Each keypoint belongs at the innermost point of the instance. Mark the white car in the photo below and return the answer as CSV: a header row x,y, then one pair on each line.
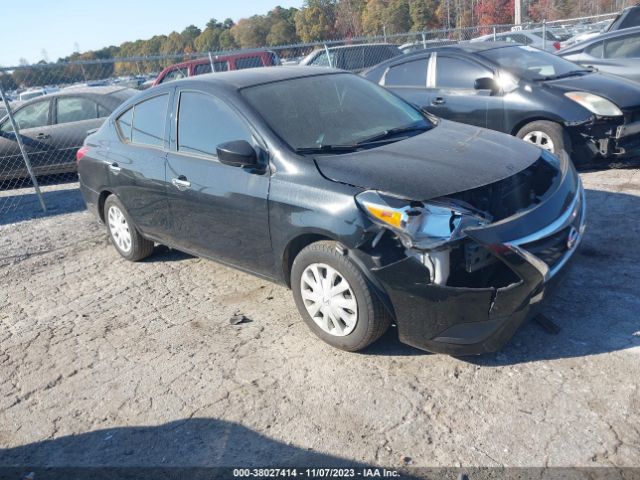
x,y
532,38
36,92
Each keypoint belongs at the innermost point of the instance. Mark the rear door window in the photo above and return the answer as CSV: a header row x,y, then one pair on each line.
x,y
457,73
149,119
623,47
204,122
75,109
248,62
408,74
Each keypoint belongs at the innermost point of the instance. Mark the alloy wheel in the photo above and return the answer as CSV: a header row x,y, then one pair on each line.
x,y
329,299
541,140
119,228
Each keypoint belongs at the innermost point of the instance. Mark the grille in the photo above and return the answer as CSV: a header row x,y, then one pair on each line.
x,y
550,249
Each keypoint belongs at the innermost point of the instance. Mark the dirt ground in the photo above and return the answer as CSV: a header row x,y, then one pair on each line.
x,y
105,362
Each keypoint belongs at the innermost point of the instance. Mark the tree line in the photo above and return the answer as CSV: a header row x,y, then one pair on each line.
x,y
316,20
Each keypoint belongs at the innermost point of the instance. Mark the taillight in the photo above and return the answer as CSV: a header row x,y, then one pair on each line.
x,y
81,152
556,45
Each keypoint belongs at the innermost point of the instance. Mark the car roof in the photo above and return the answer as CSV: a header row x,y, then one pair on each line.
x,y
471,47
218,58
602,36
356,45
103,90
249,77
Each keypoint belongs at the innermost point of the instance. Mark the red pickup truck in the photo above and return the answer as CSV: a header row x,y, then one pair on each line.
x,y
220,63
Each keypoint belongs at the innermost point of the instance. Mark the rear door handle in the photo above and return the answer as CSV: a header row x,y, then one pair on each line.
x,y
115,168
43,136
181,183
438,101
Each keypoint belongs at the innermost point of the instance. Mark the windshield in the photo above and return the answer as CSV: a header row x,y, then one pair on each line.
x,y
531,63
327,111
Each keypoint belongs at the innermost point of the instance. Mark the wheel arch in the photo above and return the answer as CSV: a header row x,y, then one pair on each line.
x,y
101,199
537,118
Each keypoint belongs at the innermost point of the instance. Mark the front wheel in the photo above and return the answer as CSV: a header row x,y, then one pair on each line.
x,y
548,136
124,236
335,299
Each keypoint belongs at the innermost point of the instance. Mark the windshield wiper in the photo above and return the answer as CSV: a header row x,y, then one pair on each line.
x,y
392,132
566,74
328,149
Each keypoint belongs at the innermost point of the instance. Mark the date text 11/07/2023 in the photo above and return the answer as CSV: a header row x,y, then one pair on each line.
x,y
315,472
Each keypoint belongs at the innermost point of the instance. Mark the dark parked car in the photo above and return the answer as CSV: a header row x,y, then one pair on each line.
x,y
369,209
523,91
219,63
627,18
354,58
53,127
616,52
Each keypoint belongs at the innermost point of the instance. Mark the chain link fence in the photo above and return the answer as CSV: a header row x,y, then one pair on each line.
x,y
53,106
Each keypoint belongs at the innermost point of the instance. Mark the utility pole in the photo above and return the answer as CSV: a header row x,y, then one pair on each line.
x,y
517,12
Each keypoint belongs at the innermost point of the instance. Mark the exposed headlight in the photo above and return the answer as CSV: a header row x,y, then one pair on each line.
x,y
595,104
421,225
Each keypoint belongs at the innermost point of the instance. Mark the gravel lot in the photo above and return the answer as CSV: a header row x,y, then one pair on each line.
x,y
104,362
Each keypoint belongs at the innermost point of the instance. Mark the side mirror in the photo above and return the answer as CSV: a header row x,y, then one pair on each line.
x,y
486,83
237,153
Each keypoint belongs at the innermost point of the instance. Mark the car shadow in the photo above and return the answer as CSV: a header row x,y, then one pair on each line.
x,y
597,304
21,206
162,253
191,448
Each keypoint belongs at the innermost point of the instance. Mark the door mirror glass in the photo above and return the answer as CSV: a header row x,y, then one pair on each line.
x,y
237,153
486,83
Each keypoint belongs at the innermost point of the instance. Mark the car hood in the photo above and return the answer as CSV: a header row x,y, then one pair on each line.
x,y
624,93
450,158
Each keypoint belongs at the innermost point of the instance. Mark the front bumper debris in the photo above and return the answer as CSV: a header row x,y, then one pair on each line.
x,y
610,136
468,321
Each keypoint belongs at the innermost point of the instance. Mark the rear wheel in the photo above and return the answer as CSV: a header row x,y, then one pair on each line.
x,y
335,299
124,236
548,136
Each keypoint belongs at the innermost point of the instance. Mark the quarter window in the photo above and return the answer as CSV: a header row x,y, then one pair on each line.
x,y
175,74
322,60
457,73
76,109
205,122
595,50
32,116
408,74
123,124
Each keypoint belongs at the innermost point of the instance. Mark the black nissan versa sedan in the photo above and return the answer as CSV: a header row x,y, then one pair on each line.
x,y
557,105
372,211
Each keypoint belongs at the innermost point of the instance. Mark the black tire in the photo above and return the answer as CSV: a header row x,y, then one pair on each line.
x,y
555,131
140,247
372,317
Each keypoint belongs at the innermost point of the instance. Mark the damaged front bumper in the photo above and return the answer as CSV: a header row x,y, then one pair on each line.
x,y
461,320
608,136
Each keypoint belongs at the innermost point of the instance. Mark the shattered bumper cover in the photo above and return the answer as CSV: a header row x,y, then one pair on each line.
x,y
468,321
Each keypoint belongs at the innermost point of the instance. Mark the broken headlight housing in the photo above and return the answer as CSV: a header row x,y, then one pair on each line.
x,y
420,225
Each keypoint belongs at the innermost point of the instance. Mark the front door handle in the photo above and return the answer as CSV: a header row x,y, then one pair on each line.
x,y
181,183
438,101
115,168
43,136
